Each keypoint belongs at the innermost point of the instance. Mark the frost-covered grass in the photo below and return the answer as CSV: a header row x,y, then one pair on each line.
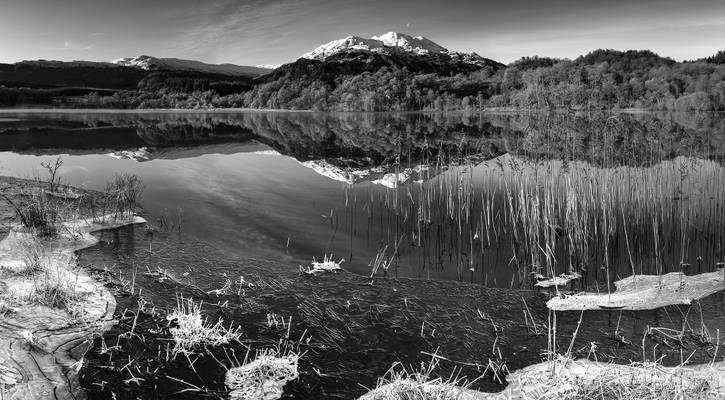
x,y
401,384
57,287
264,377
193,330
567,379
564,378
33,257
42,275
326,265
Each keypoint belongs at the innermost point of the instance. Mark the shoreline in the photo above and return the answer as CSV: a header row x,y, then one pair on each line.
x,y
489,110
42,345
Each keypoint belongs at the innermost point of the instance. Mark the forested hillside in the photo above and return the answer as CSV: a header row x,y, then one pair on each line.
x,y
607,79
369,81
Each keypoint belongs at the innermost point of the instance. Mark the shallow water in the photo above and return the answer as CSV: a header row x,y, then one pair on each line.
x,y
489,200
351,333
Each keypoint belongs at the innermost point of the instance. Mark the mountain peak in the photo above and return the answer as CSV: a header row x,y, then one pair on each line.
x,y
389,43
383,43
142,61
417,44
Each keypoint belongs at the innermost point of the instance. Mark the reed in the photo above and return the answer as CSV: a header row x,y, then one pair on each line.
x,y
548,217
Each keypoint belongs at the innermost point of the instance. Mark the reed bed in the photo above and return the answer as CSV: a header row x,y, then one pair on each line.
x,y
544,218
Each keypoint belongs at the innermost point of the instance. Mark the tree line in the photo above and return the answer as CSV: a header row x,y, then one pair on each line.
x,y
600,80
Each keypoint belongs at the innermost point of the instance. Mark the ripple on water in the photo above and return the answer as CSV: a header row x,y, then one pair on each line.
x,y
352,332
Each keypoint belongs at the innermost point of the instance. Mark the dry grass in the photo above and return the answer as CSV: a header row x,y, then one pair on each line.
x,y
264,377
34,257
39,212
193,330
401,384
564,378
57,287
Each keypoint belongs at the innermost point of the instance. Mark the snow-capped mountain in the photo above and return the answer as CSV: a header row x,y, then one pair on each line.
x,y
175,64
389,43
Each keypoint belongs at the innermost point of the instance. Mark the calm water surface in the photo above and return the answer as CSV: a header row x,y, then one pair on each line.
x,y
487,199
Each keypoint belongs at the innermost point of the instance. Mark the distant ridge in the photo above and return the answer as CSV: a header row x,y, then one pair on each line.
x,y
175,64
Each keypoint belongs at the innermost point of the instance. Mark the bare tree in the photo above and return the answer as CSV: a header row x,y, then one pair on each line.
x,y
52,168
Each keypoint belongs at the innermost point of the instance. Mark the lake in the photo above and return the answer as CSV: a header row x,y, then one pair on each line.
x,y
464,202
438,191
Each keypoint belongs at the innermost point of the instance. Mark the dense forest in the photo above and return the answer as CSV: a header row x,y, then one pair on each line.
x,y
601,80
606,79
359,81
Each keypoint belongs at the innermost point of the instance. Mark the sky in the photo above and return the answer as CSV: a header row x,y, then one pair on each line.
x,y
259,32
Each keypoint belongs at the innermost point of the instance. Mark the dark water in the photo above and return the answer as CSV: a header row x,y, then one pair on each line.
x,y
351,333
487,200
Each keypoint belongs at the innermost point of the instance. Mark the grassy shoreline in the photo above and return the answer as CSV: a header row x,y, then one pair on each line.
x,y
51,304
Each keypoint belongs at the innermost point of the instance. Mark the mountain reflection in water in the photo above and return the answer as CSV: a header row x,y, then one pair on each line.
x,y
494,199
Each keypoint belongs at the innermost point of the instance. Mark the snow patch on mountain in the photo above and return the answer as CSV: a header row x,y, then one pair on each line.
x,y
418,45
176,64
269,66
389,43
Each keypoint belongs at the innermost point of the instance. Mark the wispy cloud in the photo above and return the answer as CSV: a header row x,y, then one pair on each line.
x,y
232,30
72,46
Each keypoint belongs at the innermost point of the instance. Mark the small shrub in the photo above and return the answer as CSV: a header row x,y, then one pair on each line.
x,y
120,197
126,191
52,168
